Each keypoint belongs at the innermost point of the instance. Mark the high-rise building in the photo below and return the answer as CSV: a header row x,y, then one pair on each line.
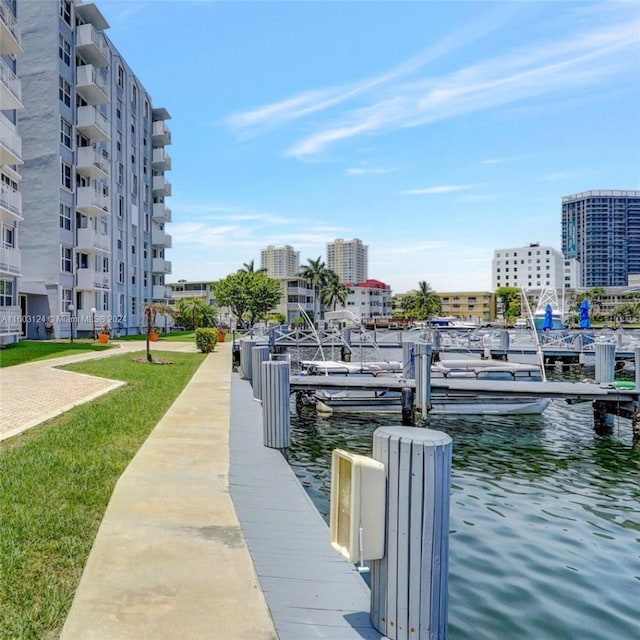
x,y
94,240
280,262
10,160
349,259
601,229
530,267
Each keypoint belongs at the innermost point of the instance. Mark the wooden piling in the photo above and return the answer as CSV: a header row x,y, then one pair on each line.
x,y
409,585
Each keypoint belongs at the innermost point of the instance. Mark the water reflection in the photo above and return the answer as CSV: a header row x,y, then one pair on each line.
x,y
545,519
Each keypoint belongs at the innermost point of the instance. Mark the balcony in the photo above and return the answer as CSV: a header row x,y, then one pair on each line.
x,y
10,261
161,213
161,160
160,265
89,279
91,85
10,35
10,88
91,241
160,238
93,124
93,163
92,202
10,142
160,292
161,186
91,46
160,134
10,204
10,321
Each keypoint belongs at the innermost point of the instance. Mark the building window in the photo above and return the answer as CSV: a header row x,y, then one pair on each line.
x,y
6,293
66,175
134,185
120,77
121,272
120,236
120,173
64,92
64,50
134,273
66,298
120,207
134,95
65,217
66,259
66,133
65,11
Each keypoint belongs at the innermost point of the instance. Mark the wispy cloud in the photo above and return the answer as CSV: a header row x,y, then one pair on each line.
x,y
407,97
363,171
443,188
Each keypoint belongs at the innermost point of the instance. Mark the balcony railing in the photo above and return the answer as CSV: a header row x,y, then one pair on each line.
x,y
161,160
10,204
91,240
91,85
160,265
92,202
91,279
160,292
10,35
10,320
160,134
160,238
161,213
161,186
93,162
10,260
91,46
10,143
93,124
10,88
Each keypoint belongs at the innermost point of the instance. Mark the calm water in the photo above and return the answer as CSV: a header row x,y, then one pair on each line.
x,y
545,519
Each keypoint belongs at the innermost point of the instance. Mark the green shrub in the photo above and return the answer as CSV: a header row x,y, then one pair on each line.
x,y
206,339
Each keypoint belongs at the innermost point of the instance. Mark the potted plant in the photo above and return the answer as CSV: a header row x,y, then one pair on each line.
x,y
221,334
154,334
104,334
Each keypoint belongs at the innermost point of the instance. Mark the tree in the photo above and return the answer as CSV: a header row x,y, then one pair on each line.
x,y
248,294
197,312
427,303
316,274
149,312
249,267
509,299
334,292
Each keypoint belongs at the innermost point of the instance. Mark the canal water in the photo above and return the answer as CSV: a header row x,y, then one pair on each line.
x,y
545,519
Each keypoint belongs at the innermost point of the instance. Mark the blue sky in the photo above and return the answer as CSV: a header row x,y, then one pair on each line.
x,y
436,132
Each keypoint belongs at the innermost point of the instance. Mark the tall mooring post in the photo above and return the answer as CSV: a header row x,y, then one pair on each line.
x,y
246,344
605,362
408,359
276,414
258,356
409,585
423,378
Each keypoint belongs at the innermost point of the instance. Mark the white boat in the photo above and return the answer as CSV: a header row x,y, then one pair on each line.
x,y
460,400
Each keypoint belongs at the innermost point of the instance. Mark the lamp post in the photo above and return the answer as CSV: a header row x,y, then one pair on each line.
x,y
93,321
71,310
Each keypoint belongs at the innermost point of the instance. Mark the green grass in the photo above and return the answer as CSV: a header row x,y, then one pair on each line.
x,y
174,336
29,350
56,481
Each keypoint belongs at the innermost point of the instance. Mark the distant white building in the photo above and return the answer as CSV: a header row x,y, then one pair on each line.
x,y
280,262
349,259
369,299
572,274
530,267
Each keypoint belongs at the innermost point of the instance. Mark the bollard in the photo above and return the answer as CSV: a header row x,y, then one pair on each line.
x,y
245,356
276,415
605,362
504,341
407,396
408,360
409,598
258,356
423,378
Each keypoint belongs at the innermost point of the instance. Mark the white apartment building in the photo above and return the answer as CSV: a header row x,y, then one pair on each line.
x,y
94,240
530,267
369,299
280,262
349,259
11,324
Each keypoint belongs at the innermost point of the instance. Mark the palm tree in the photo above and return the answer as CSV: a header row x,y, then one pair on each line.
x,y
149,312
316,274
334,292
197,312
428,302
249,267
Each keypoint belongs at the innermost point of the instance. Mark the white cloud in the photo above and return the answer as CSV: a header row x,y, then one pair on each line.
x,y
443,188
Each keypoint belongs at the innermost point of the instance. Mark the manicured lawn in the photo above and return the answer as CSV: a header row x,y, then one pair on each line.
x,y
28,350
56,481
174,336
